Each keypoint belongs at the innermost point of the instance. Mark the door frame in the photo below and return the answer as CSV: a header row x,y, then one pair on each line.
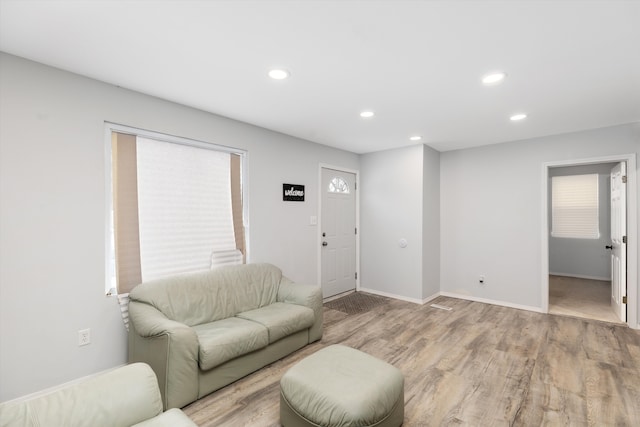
x,y
322,166
632,230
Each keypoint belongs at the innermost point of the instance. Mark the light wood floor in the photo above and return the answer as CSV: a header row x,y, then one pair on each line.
x,y
590,299
477,365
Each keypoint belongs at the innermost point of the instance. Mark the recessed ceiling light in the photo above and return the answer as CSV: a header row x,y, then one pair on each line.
x,y
367,114
517,117
279,74
415,138
493,78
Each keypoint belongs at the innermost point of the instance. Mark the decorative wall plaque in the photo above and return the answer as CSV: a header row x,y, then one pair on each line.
x,y
293,193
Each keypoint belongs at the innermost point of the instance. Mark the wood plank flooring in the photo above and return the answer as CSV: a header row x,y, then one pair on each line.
x,y
476,365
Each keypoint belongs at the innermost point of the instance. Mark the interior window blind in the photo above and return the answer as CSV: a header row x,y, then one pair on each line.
x,y
574,206
184,207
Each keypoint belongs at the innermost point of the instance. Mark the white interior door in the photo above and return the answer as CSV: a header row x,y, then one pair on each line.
x,y
618,241
338,228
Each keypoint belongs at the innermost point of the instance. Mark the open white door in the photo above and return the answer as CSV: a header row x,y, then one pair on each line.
x,y
338,228
619,241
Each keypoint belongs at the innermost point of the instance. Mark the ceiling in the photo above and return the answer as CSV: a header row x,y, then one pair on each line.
x,y
571,65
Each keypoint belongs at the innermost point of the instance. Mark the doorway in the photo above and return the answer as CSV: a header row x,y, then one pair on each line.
x,y
577,273
338,231
579,261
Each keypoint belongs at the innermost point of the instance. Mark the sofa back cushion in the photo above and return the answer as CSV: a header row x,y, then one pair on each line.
x,y
207,296
121,397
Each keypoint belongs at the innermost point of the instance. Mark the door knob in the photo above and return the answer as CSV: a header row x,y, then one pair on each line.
x,y
608,247
324,243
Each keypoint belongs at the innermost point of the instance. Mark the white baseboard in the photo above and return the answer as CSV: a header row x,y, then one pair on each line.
x,y
493,302
453,295
432,297
394,296
580,276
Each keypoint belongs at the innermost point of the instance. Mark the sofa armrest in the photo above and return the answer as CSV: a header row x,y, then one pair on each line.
x,y
120,398
151,322
306,295
170,348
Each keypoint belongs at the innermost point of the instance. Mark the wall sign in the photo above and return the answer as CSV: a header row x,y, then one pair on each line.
x,y
292,193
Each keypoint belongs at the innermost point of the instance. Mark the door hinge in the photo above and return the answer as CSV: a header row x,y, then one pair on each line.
x,y
624,239
624,179
624,299
356,275
355,185
356,230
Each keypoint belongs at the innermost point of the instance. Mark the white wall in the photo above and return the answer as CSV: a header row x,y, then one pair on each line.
x,y
584,257
400,199
491,211
430,223
53,211
390,210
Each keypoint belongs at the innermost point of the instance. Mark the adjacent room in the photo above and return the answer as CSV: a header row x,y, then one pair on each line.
x,y
265,213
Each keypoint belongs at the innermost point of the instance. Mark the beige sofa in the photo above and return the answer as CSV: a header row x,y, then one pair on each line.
x,y
123,397
202,331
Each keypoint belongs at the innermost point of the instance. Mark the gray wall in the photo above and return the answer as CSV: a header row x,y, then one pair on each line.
x,y
390,210
400,199
491,210
53,210
430,223
584,257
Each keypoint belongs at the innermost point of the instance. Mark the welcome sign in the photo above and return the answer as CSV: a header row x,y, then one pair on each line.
x,y
292,193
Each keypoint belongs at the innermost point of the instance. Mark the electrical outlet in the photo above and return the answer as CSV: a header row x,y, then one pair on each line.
x,y
481,279
84,337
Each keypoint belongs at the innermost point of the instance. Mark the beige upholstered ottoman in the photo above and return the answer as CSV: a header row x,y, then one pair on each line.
x,y
341,386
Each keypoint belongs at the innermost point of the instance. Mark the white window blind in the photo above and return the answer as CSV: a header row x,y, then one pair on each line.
x,y
184,207
574,206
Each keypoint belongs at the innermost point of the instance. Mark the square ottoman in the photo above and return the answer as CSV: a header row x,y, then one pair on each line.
x,y
340,386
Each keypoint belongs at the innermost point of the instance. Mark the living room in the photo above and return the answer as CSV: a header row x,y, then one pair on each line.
x,y
463,212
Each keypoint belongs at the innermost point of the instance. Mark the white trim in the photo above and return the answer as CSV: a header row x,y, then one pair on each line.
x,y
544,240
431,298
453,295
581,276
399,297
633,316
58,387
108,191
245,206
166,137
492,302
319,233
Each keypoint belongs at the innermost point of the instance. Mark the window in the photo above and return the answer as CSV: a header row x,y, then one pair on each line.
x,y
574,206
177,205
338,185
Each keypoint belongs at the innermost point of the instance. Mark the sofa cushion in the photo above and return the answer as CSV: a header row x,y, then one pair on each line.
x,y
281,319
203,297
172,418
227,339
